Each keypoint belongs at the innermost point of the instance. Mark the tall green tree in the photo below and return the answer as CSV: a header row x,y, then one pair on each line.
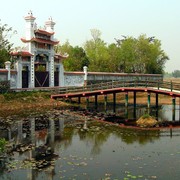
x,y
114,64
97,52
141,55
77,58
5,46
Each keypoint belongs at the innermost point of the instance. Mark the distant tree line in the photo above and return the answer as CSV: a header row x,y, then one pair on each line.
x,y
176,73
128,55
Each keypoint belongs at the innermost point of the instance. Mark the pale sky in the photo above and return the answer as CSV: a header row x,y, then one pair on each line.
x,y
75,18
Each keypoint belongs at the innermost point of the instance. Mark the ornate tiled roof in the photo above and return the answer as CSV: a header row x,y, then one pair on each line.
x,y
40,31
40,41
21,53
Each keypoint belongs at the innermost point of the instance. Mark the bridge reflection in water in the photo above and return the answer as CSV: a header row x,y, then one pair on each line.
x,y
151,88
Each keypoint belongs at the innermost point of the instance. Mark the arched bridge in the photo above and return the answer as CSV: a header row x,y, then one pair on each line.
x,y
164,87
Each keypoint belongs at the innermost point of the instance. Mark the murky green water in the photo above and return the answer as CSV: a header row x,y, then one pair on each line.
x,y
88,150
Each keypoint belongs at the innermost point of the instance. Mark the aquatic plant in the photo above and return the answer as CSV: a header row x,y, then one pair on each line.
x,y
3,143
144,116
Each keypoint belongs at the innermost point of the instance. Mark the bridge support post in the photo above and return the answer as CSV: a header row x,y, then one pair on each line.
x,y
96,101
87,102
134,112
157,102
126,99
105,103
149,100
114,102
126,113
134,99
70,99
173,108
79,100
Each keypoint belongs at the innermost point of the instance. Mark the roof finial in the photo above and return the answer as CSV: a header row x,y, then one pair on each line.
x,y
50,18
30,13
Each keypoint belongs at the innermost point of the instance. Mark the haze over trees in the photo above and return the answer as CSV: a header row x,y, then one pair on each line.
x,y
176,73
128,54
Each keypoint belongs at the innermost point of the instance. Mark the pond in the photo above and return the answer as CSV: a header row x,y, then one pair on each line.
x,y
68,145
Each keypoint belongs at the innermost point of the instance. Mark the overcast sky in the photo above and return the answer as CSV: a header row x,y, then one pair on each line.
x,y
75,18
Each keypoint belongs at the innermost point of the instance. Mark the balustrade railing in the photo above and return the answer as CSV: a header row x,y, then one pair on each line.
x,y
169,86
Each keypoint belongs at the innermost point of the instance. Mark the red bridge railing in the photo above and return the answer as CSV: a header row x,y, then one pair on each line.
x,y
169,86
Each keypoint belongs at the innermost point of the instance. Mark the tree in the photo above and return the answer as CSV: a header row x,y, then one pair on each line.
x,y
77,57
176,73
141,55
97,52
5,45
114,58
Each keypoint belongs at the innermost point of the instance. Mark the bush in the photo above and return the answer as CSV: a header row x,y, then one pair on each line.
x,y
146,116
4,86
3,142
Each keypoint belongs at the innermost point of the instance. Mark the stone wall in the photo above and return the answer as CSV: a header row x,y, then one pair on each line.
x,y
73,79
3,75
77,78
95,77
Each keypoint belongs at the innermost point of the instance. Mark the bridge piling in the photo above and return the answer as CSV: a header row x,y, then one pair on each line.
x,y
87,102
149,100
173,108
157,100
79,100
134,99
96,101
105,103
114,102
126,99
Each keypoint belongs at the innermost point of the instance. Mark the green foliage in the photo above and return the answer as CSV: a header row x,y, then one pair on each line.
x,y
141,55
77,57
41,68
26,95
128,55
4,86
176,73
144,116
97,52
3,142
5,45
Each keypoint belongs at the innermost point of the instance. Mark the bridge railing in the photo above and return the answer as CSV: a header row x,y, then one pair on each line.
x,y
169,86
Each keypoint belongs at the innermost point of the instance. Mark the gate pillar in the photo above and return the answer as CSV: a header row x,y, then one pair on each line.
x,y
61,75
51,71
32,76
19,73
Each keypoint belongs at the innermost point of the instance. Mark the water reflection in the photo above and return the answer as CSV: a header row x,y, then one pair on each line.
x,y
47,147
163,112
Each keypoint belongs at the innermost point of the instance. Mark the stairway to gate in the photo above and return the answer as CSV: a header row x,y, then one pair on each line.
x,y
160,87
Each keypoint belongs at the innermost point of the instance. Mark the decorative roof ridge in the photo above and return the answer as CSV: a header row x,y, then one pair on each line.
x,y
43,31
65,55
20,53
39,40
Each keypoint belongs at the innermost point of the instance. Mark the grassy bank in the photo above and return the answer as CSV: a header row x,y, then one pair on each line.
x,y
23,102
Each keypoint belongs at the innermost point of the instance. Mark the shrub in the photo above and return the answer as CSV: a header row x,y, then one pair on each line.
x,y
3,142
146,116
4,86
